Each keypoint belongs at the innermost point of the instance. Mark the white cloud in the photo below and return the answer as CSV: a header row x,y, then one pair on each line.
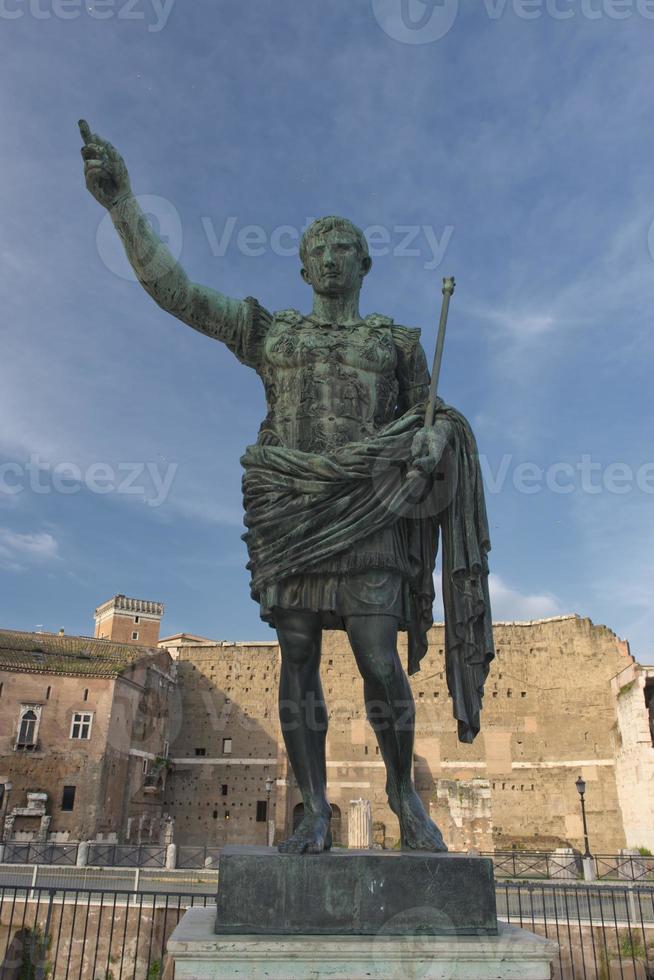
x,y
16,548
508,603
521,325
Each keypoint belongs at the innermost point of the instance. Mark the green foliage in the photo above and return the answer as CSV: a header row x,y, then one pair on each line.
x,y
644,852
36,945
631,946
154,971
625,688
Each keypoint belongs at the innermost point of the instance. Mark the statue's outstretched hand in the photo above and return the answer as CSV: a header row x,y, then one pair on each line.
x,y
429,445
104,169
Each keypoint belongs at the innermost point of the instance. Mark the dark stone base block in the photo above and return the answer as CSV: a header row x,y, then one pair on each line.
x,y
359,893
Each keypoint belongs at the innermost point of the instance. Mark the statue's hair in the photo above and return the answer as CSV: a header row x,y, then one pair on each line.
x,y
332,223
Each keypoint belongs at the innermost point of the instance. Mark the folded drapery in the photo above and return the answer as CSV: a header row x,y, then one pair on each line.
x,y
303,509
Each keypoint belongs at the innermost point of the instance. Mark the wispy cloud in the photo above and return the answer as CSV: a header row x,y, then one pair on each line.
x,y
19,550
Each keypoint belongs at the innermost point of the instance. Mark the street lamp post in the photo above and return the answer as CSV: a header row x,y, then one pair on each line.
x,y
271,823
581,789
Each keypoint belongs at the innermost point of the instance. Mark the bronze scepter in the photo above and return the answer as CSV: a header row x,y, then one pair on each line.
x,y
448,289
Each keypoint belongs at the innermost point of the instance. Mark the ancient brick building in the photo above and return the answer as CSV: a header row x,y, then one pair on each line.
x,y
551,713
84,729
100,738
128,620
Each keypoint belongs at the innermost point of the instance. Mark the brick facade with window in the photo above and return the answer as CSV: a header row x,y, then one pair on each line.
x,y
86,722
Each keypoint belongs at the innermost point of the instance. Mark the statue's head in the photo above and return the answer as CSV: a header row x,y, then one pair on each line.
x,y
334,255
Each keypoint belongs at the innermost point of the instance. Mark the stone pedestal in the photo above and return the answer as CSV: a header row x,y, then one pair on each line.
x,y
199,954
345,892
359,825
354,915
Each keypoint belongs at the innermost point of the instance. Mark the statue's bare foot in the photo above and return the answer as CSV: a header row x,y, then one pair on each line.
x,y
417,831
312,837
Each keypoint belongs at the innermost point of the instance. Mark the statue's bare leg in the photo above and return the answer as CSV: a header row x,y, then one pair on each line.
x,y
391,712
303,718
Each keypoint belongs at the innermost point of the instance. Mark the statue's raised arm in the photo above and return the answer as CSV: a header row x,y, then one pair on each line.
x,y
239,324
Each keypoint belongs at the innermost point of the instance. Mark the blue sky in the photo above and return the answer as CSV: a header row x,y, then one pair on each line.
x,y
514,151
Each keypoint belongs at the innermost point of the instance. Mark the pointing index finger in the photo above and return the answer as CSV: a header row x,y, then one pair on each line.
x,y
85,131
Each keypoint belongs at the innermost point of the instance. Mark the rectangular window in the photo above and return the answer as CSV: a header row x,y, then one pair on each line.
x,y
68,798
200,751
227,746
135,636
145,767
262,811
166,749
136,619
81,725
223,789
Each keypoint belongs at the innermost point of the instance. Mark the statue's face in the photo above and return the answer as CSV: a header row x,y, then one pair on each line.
x,y
334,264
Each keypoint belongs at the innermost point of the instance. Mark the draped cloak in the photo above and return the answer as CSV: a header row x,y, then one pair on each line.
x,y
304,508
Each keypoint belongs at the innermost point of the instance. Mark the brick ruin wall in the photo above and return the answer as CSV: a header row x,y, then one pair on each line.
x,y
549,716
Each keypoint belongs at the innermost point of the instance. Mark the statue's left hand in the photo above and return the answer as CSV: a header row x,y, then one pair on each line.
x,y
429,445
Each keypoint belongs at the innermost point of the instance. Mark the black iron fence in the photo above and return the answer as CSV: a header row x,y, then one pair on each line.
x,y
604,932
126,856
534,864
508,864
628,867
59,854
197,857
99,855
88,934
553,864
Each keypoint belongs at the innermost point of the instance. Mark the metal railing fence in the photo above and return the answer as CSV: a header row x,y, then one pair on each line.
x,y
17,852
88,934
507,864
555,865
189,856
604,932
63,932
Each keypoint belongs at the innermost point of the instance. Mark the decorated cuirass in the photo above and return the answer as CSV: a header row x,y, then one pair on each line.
x,y
327,385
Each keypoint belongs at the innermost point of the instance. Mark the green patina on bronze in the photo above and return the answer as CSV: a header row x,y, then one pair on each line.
x,y
346,491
